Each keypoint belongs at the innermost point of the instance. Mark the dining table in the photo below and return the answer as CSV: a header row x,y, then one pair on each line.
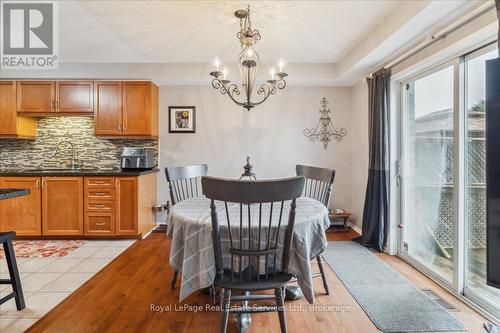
x,y
192,253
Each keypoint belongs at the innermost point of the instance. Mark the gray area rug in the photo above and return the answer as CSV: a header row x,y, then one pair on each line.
x,y
392,302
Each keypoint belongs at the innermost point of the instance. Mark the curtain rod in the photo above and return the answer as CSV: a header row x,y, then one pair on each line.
x,y
435,39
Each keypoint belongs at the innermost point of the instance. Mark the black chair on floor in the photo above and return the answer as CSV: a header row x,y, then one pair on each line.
x,y
184,182
275,249
318,186
15,280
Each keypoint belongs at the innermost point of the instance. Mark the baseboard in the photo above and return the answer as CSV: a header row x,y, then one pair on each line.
x,y
354,227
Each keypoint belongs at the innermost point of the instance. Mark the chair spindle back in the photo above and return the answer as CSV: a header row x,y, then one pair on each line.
x,y
318,184
263,234
185,182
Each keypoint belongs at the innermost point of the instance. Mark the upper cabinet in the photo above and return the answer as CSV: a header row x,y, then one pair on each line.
x,y
12,126
121,109
68,97
126,109
74,97
108,108
36,96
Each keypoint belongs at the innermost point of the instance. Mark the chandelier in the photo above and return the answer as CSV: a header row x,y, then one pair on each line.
x,y
248,63
324,131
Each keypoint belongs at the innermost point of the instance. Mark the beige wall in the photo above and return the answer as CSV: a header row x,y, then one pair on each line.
x,y
271,134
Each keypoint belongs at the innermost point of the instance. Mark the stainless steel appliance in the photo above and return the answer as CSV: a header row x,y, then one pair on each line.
x,y
137,158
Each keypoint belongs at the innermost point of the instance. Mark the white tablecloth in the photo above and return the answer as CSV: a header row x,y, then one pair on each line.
x,y
192,254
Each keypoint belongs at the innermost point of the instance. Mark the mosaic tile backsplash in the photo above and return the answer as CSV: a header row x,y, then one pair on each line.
x,y
90,151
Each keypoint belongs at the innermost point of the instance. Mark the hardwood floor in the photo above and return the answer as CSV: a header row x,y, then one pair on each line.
x,y
119,299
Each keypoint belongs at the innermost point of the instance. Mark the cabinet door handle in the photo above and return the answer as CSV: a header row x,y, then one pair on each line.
x,y
52,104
100,223
117,184
43,183
38,184
57,104
99,193
99,206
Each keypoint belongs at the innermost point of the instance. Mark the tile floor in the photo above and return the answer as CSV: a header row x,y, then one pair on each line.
x,y
47,281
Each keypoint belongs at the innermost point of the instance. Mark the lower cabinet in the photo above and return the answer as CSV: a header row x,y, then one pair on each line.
x,y
99,224
100,206
111,206
127,201
62,206
22,214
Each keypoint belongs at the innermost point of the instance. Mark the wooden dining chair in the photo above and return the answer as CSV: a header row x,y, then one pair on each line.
x,y
261,243
318,186
184,182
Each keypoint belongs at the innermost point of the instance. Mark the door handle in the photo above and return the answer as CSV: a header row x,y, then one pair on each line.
x,y
38,184
117,183
100,223
43,183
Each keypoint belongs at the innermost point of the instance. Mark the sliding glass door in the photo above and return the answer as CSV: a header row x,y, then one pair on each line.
x,y
475,281
427,196
442,189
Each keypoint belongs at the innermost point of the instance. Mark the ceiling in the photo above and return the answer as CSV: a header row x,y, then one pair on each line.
x,y
197,31
332,43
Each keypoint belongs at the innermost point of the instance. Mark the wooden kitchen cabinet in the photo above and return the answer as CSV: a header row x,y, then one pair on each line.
x,y
22,214
120,206
126,109
62,206
100,206
76,207
127,204
100,224
74,97
140,108
11,125
36,96
108,108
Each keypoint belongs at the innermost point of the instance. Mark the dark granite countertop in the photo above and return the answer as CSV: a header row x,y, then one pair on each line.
x,y
7,193
76,173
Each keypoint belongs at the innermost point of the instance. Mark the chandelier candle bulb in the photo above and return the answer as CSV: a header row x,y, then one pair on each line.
x,y
225,71
281,64
217,64
272,73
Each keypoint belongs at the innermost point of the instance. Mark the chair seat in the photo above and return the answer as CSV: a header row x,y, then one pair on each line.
x,y
272,282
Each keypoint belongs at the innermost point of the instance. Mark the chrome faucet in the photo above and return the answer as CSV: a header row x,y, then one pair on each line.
x,y
56,150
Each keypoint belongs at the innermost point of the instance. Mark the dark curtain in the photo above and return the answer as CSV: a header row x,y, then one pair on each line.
x,y
376,210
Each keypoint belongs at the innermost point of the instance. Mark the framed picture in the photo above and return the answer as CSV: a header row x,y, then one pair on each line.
x,y
182,119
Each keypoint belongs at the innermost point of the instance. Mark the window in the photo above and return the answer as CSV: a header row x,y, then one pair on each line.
x,y
476,177
443,175
428,175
